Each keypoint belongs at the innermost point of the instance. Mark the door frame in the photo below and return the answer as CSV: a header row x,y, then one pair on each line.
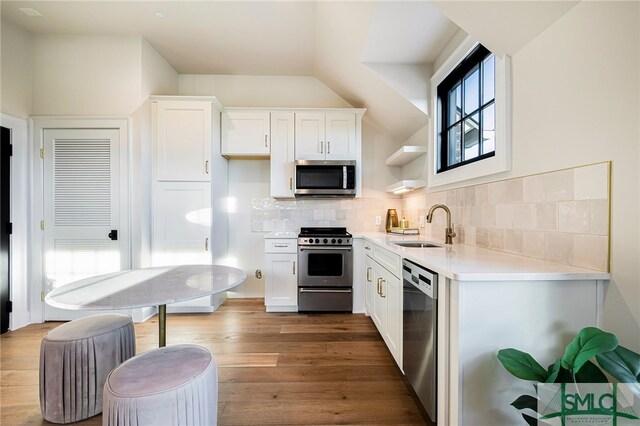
x,y
19,213
37,126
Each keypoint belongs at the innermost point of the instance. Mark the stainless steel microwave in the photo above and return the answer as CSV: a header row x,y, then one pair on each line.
x,y
325,179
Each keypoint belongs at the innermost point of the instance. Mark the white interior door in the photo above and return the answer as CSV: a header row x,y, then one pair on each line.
x,y
81,208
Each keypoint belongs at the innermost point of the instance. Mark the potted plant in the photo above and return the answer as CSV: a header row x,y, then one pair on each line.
x,y
576,366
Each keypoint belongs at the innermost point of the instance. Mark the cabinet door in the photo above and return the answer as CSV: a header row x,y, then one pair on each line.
x,y
282,155
341,136
245,133
380,300
310,136
281,283
182,223
392,289
183,140
370,285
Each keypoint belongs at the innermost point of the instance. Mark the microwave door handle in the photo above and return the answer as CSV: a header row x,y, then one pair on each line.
x,y
344,177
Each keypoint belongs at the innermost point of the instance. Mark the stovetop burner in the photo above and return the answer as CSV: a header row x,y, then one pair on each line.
x,y
324,236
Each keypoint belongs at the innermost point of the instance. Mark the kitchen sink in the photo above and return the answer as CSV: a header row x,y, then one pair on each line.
x,y
415,244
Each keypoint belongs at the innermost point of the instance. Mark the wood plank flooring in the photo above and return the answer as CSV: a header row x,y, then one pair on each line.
x,y
273,368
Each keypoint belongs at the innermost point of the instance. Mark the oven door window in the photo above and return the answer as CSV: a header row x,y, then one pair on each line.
x,y
325,265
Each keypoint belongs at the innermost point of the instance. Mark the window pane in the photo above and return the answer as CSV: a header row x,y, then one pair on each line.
x,y
471,133
455,105
472,90
454,149
488,79
489,129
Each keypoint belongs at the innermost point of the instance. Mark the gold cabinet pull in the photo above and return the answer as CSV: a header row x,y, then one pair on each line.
x,y
382,289
368,276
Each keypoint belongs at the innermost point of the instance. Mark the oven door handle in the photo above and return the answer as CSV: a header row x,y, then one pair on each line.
x,y
318,248
320,290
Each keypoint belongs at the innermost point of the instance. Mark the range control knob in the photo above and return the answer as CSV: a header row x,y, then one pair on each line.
x,y
317,241
333,241
325,241
340,241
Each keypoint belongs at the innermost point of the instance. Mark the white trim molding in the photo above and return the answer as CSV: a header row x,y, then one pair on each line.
x,y
501,161
19,216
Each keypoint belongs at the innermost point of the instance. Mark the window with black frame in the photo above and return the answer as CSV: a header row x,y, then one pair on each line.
x,y
466,111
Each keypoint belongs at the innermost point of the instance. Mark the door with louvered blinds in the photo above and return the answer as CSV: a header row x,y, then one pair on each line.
x,y
82,208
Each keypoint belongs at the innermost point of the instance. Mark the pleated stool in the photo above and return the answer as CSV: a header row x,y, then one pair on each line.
x,y
173,385
75,360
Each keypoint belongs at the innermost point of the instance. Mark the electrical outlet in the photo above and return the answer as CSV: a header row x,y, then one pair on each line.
x,y
378,220
421,221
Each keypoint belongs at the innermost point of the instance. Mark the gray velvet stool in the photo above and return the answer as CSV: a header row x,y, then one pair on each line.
x,y
174,385
75,359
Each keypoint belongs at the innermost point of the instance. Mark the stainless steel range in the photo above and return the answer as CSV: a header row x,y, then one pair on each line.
x,y
325,277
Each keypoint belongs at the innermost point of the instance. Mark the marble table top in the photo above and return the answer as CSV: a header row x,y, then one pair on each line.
x,y
139,288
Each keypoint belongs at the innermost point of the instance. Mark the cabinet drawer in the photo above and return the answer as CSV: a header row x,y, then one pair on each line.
x,y
389,260
281,246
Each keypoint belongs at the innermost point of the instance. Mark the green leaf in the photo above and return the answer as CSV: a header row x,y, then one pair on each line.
x,y
621,363
553,371
531,421
590,341
590,373
526,401
522,365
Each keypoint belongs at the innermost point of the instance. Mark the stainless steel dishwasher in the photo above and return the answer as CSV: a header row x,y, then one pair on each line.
x,y
419,332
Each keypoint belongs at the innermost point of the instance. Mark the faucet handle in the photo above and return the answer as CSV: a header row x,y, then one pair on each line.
x,y
453,230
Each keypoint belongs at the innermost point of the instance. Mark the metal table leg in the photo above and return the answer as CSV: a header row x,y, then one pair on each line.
x,y
162,325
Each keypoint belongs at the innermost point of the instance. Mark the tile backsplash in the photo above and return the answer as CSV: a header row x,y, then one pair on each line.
x,y
561,216
357,215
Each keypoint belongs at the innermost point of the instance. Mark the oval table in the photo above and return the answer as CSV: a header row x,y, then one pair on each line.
x,y
139,288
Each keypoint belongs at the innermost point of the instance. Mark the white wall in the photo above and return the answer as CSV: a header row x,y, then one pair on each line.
x,y
16,57
576,101
262,91
157,76
96,75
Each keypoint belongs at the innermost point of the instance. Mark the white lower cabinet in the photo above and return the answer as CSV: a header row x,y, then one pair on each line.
x,y
281,275
383,296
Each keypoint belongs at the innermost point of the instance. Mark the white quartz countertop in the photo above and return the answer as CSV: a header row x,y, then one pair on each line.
x,y
468,263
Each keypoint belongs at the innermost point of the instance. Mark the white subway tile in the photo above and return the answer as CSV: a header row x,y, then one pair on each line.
x,y
573,217
558,186
545,216
591,182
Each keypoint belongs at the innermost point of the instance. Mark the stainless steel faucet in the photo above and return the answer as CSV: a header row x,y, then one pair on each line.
x,y
448,234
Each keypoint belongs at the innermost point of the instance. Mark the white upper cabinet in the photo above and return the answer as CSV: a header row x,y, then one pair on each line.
x,y
341,136
182,140
246,134
282,154
325,136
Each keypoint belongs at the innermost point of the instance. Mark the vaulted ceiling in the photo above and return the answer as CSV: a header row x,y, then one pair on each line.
x,y
377,54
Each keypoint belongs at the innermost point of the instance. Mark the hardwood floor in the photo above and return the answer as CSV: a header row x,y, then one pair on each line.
x,y
273,368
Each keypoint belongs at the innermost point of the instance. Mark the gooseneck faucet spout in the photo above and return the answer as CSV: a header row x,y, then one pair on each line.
x,y
449,234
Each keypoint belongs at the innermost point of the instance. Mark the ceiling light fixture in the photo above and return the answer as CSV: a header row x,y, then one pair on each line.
x,y
29,11
158,14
